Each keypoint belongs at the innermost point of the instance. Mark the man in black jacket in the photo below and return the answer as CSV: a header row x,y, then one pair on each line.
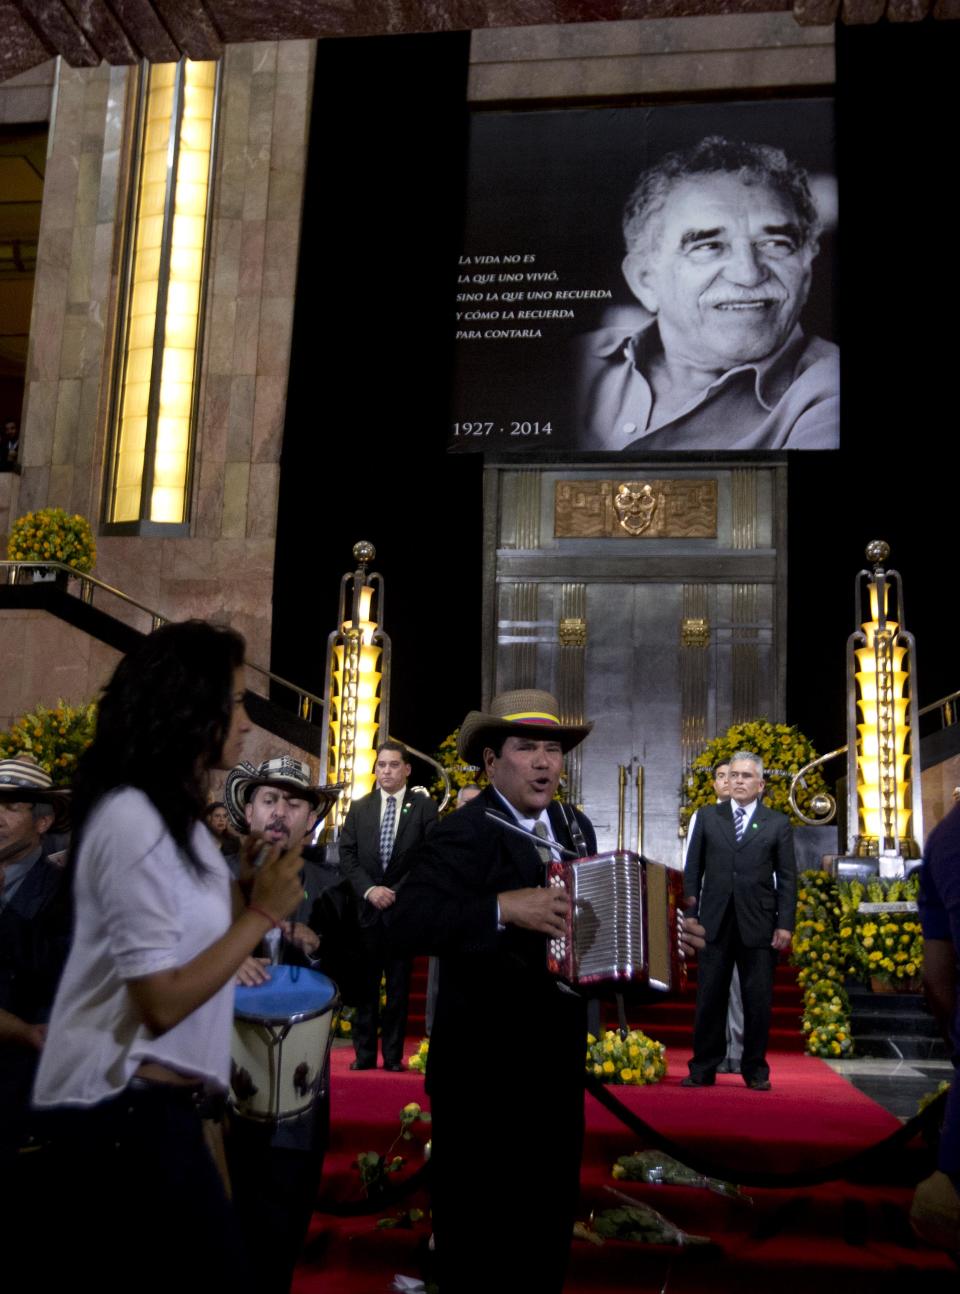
x,y
379,831
34,934
507,1049
740,869
275,1168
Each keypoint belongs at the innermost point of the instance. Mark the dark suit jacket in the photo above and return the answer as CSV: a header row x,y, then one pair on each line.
x,y
360,843
718,869
490,980
34,941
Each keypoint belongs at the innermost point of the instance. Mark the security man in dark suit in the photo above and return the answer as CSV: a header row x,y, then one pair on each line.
x,y
379,831
740,869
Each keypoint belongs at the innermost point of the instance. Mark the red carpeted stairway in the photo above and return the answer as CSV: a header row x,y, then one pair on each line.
x,y
842,1236
668,1019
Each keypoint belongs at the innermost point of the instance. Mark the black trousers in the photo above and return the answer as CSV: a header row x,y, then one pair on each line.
x,y
715,965
507,1145
136,1200
392,1018
274,1191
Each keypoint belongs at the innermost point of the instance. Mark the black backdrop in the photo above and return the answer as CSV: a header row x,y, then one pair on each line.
x,y
367,413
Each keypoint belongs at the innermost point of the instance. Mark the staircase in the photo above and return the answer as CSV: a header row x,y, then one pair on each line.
x,y
894,1026
666,1018
279,717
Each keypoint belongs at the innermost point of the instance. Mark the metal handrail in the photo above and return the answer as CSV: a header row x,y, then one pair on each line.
x,y
90,582
829,804
305,700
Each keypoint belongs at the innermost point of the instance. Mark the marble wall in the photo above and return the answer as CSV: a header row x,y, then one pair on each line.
x,y
650,56
224,569
43,660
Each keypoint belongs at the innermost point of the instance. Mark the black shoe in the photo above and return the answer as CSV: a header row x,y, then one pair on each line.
x,y
691,1081
758,1084
362,1064
393,1067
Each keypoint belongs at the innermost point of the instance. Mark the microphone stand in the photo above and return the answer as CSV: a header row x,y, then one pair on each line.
x,y
543,841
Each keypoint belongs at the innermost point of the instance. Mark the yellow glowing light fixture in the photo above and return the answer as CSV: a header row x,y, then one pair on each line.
x,y
356,699
883,776
156,399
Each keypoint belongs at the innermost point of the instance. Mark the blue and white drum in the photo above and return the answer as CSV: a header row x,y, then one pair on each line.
x,y
282,1033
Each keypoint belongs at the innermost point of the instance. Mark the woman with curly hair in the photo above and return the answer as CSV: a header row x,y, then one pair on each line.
x,y
139,1037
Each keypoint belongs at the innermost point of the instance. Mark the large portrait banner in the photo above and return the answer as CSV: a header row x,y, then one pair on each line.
x,y
648,281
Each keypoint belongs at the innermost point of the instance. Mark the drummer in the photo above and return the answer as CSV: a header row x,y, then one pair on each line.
x,y
278,800
275,1171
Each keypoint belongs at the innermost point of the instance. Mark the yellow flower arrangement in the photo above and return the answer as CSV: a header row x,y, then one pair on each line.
x,y
55,738
823,955
784,751
53,535
888,945
460,774
418,1061
632,1061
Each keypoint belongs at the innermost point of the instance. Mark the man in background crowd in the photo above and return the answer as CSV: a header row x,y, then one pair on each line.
x,y
34,935
378,833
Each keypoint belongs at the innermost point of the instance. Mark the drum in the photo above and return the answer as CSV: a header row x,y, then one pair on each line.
x,y
282,1033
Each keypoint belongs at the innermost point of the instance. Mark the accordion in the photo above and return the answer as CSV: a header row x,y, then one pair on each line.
x,y
624,922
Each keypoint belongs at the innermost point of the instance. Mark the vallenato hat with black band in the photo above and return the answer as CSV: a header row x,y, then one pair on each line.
x,y
23,779
526,712
283,772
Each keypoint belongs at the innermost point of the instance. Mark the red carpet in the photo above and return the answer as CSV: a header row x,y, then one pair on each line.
x,y
838,1237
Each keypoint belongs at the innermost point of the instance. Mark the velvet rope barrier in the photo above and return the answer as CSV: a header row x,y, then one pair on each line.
x,y
871,1157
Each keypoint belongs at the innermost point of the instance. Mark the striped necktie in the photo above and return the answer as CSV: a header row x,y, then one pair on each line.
x,y
738,821
386,831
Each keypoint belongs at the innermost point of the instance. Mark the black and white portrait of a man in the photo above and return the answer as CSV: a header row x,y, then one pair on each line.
x,y
655,280
720,242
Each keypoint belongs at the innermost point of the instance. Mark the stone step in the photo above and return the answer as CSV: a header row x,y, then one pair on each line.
x,y
896,1046
906,1022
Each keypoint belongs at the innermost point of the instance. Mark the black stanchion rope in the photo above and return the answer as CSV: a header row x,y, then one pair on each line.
x,y
858,1162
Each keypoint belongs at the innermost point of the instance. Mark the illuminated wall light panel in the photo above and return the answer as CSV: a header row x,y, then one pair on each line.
x,y
156,399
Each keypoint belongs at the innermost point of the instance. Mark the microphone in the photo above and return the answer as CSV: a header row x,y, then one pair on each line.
x,y
542,841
